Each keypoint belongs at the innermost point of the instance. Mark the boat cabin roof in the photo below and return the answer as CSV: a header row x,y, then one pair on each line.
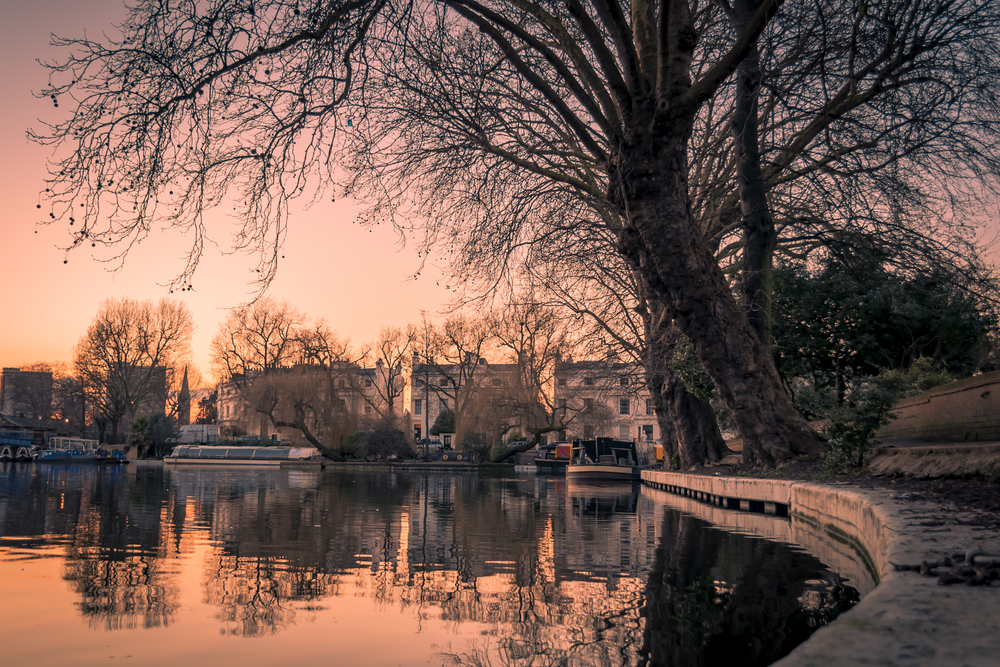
x,y
242,453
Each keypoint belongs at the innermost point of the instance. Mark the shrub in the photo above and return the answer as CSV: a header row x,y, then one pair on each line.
x,y
852,425
381,441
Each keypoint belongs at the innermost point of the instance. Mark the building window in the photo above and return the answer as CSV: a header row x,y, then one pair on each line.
x,y
647,432
561,382
368,409
623,406
588,381
341,383
368,382
588,404
418,407
623,380
497,382
562,403
649,407
623,433
443,382
588,432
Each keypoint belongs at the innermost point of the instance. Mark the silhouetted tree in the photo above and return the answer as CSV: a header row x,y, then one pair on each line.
x,y
128,355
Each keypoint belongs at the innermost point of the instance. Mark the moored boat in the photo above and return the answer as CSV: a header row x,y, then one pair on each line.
x,y
605,459
240,455
77,450
553,458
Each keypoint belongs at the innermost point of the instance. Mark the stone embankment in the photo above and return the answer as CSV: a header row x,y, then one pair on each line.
x,y
930,460
878,537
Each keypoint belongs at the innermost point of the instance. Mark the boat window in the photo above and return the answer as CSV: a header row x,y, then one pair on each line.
x,y
267,453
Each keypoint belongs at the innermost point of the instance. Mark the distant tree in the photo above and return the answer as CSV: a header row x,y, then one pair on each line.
x,y
454,358
391,354
129,354
296,374
163,432
69,403
533,338
254,341
208,409
381,441
139,434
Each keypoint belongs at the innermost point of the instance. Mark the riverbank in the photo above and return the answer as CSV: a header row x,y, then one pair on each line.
x,y
908,619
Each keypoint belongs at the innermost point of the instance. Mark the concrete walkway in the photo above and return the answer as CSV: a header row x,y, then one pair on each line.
x,y
908,619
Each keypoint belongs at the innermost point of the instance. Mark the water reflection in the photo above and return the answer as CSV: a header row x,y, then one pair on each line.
x,y
511,572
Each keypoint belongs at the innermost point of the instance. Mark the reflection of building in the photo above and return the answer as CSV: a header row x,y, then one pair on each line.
x,y
26,393
604,399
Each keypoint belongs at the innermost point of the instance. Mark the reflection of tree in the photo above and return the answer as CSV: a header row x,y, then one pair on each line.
x,y
550,573
122,594
255,595
717,598
114,558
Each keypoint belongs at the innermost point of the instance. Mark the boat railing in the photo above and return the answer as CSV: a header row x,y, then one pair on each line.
x,y
73,444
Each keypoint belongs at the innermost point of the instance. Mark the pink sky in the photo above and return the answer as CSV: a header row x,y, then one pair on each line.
x,y
354,277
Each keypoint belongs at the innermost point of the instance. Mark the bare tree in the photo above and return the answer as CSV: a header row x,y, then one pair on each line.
x,y
454,366
864,121
294,373
128,355
532,338
391,354
484,122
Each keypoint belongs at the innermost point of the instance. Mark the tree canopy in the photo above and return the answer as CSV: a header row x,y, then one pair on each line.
x,y
509,132
840,321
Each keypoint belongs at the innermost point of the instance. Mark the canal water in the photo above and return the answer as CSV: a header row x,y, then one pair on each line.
x,y
183,566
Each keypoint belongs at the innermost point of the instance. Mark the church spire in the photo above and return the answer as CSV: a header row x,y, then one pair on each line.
x,y
184,402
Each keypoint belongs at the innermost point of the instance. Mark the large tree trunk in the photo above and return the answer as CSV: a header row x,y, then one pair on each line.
x,y
698,437
759,235
511,450
682,273
688,427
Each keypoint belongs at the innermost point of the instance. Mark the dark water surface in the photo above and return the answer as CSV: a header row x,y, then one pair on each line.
x,y
182,567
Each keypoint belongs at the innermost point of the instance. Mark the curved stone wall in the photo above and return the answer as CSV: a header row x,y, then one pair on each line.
x,y
906,619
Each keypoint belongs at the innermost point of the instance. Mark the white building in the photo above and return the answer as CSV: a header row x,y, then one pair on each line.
x,y
604,399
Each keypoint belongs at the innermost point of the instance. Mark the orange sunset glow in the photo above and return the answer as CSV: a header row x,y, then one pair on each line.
x,y
358,279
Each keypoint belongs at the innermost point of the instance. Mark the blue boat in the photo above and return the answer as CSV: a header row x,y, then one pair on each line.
x,y
77,450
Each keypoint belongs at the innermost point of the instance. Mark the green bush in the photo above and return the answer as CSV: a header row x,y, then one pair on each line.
x,y
853,424
381,441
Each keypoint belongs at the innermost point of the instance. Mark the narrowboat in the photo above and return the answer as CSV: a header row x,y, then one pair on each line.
x,y
240,455
605,459
553,458
77,450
